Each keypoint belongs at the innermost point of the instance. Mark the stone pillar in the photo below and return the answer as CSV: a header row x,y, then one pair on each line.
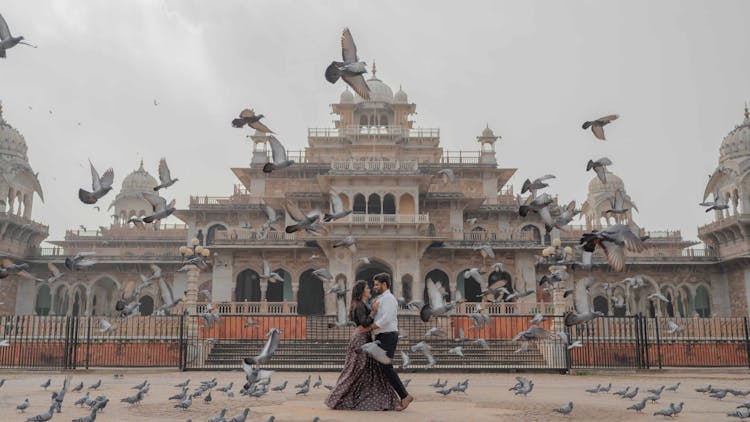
x,y
559,305
222,280
191,288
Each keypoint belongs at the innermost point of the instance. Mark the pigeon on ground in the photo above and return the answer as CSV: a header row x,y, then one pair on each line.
x,y
676,408
597,126
134,399
181,395
673,387
7,40
594,389
742,413
44,417
621,392
665,412
220,417
304,390
638,406
46,383
23,405
351,69
525,389
656,391
95,385
185,404
565,410
248,117
280,387
78,387
81,401
318,383
99,185
278,156
241,417
631,394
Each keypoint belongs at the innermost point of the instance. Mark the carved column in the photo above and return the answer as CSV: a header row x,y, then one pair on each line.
x,y
191,288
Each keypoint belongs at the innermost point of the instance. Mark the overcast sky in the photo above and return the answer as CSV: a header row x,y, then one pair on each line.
x,y
676,72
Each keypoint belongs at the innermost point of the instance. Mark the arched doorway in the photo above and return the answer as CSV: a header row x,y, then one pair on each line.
x,y
247,288
367,271
406,204
500,279
211,234
389,204
276,290
61,301
468,287
535,234
441,279
147,305
103,296
360,204
43,300
79,301
373,204
702,302
310,296
601,305
407,284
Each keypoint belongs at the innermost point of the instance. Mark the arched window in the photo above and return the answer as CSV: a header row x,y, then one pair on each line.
x,y
441,280
601,304
211,234
61,301
43,300
248,286
702,302
406,205
389,204
103,294
407,284
373,204
360,205
363,120
277,290
310,296
684,302
431,231
79,301
367,271
147,305
344,200
535,232
500,279
383,121
470,288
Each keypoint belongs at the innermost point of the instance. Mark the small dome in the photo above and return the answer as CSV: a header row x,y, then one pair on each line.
x,y
401,96
139,181
488,133
613,183
737,143
378,91
12,144
346,97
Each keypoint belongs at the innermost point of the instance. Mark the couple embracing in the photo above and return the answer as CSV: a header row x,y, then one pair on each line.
x,y
366,384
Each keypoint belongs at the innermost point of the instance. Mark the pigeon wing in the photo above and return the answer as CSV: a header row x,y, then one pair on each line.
x,y
580,299
433,292
96,183
166,292
270,212
247,113
615,255
108,178
604,161
53,269
598,131
157,202
717,180
348,48
600,172
608,118
4,30
164,175
266,268
545,177
341,316
619,202
358,84
336,203
277,150
294,211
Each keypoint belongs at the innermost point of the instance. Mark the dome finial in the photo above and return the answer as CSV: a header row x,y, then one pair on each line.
x,y
747,114
141,167
374,69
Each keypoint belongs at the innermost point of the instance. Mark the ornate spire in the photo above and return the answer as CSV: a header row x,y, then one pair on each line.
x,y
374,70
747,114
141,167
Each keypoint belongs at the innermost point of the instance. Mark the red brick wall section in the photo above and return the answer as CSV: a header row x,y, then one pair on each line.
x,y
115,354
499,328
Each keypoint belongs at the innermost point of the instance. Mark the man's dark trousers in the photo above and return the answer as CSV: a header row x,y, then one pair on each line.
x,y
388,342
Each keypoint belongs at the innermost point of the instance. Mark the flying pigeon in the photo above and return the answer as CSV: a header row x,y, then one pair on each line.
x,y
600,168
437,305
597,126
617,204
165,177
350,69
248,117
7,40
347,242
338,209
278,155
614,240
274,338
159,206
529,186
99,185
447,176
376,352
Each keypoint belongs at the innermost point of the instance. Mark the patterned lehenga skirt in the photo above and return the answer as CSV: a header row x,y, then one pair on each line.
x,y
361,385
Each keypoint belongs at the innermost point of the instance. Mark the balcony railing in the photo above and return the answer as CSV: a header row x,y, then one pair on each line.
x,y
23,222
247,236
378,167
384,219
460,157
483,235
276,308
357,131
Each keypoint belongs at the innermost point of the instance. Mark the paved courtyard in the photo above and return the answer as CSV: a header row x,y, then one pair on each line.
x,y
487,398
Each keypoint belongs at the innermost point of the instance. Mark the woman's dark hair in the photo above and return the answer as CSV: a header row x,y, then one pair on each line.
x,y
357,291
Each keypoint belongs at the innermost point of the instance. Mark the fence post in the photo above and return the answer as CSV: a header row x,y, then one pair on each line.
x,y
658,341
638,345
644,331
747,341
88,342
180,358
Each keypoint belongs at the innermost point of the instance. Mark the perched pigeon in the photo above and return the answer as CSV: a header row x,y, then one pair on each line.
x,y
351,68
638,406
23,405
565,410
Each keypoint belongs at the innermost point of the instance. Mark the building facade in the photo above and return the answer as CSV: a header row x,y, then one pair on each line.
x,y
407,219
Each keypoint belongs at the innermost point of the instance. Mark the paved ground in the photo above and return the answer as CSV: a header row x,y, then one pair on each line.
x,y
487,398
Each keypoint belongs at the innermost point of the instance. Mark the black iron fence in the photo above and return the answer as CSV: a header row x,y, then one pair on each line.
x,y
316,343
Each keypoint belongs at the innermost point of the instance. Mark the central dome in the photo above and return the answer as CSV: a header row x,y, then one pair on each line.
x,y
378,91
139,181
737,143
614,183
11,141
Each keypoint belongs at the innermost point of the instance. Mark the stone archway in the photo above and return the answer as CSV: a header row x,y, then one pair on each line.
x,y
441,279
43,300
367,271
277,290
79,301
311,295
247,288
211,233
103,296
468,287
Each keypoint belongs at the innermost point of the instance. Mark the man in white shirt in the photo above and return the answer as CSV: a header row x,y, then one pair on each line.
x,y
385,328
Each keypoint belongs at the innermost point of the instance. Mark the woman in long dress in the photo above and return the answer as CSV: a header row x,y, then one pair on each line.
x,y
361,385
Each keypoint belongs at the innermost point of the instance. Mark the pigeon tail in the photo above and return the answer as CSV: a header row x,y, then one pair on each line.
x,y
570,319
148,219
293,228
327,217
425,313
333,73
525,186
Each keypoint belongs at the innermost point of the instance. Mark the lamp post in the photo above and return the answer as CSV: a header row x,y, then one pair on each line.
x,y
195,256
